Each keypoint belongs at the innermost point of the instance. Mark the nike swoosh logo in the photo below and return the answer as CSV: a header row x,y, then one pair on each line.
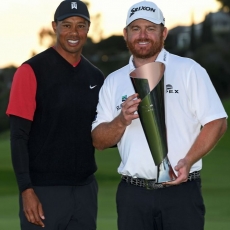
x,y
91,87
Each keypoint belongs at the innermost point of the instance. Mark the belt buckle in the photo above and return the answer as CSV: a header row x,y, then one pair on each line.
x,y
149,184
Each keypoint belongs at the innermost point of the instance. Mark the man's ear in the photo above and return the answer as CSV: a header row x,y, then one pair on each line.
x,y
125,33
165,33
54,26
89,23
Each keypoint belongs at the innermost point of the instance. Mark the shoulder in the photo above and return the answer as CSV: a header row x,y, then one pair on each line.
x,y
117,79
120,73
91,67
175,59
43,57
186,71
186,63
24,72
24,68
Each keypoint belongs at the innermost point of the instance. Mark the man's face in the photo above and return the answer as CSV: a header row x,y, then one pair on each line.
x,y
144,38
71,34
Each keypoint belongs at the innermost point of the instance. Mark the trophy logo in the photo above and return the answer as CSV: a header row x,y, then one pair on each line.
x,y
148,82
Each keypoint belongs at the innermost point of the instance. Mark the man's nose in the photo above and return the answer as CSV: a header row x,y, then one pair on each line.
x,y
143,33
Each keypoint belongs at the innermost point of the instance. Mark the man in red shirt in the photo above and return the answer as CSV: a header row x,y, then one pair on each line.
x,y
51,108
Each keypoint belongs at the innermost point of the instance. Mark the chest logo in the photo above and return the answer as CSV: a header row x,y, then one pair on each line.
x,y
123,98
91,87
169,89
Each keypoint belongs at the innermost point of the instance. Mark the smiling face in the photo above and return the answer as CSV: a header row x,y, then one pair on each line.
x,y
144,38
71,36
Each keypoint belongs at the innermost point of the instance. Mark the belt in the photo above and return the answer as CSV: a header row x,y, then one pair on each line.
x,y
151,184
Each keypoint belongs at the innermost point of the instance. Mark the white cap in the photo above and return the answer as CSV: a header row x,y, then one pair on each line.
x,y
145,10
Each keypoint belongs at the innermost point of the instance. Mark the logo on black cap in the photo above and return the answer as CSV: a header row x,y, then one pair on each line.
x,y
73,5
69,8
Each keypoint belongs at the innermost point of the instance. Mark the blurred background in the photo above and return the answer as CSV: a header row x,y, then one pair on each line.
x,y
197,29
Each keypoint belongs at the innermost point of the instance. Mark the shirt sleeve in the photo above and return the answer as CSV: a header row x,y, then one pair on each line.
x,y
205,102
22,102
104,107
19,136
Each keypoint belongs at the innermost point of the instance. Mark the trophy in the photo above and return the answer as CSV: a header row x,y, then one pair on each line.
x,y
148,82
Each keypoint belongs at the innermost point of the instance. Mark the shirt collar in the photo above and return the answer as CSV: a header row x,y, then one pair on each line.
x,y
163,57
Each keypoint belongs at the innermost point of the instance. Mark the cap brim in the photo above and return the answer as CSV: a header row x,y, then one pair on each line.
x,y
71,15
145,18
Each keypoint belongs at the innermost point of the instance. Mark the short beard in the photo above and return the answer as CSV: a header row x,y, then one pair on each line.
x,y
155,48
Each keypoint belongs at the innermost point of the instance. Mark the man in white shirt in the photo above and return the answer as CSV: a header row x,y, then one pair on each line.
x,y
191,103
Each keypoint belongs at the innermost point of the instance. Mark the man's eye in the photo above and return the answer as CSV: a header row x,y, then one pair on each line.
x,y
151,29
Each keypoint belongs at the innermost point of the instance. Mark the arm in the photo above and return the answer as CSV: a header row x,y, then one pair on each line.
x,y
108,134
19,135
205,142
20,129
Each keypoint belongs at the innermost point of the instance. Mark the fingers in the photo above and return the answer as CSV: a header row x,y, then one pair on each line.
x,y
180,179
40,211
131,103
131,98
182,169
179,165
32,207
129,109
34,217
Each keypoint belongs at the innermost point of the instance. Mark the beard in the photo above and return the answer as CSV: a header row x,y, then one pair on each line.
x,y
144,53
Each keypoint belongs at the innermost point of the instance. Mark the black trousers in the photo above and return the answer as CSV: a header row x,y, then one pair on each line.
x,y
65,207
178,207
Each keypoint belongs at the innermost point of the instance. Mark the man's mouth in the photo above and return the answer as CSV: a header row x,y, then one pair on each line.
x,y
73,41
143,43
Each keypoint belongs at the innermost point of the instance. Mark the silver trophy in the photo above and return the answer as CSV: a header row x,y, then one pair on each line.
x,y
148,82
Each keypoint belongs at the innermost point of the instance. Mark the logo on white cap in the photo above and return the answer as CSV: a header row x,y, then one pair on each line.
x,y
134,10
147,10
73,5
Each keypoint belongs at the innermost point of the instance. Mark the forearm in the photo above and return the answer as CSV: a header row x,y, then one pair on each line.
x,y
108,134
206,140
19,129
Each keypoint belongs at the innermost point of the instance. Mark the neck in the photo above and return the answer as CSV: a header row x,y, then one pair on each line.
x,y
72,58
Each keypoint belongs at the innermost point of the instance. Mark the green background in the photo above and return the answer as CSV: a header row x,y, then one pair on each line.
x,y
215,186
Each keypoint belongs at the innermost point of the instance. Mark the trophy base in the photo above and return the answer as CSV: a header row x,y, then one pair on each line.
x,y
165,172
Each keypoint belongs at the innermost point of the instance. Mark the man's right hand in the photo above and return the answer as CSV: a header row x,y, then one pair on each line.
x,y
108,134
32,207
129,109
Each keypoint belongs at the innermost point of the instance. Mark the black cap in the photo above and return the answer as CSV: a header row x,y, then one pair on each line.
x,y
70,8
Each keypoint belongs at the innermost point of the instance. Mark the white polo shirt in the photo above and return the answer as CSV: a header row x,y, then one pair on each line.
x,y
190,102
